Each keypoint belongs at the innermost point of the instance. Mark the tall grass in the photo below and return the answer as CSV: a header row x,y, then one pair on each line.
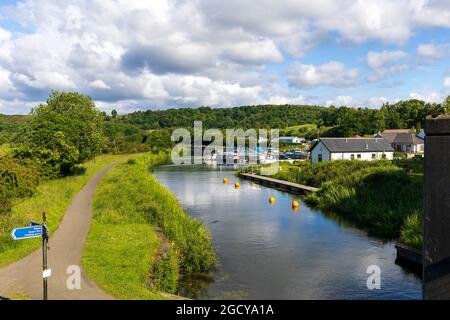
x,y
190,235
376,195
411,232
129,197
379,198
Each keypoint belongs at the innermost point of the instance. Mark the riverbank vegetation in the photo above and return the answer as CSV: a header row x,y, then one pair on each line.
x,y
56,151
52,196
379,196
138,263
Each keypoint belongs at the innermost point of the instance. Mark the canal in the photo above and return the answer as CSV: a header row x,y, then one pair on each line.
x,y
270,251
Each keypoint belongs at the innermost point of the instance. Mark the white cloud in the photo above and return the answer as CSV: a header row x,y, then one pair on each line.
x,y
259,52
99,84
433,52
4,34
332,73
215,51
342,101
277,99
377,101
433,96
385,62
447,82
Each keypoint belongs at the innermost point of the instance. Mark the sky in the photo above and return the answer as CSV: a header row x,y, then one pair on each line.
x,y
134,55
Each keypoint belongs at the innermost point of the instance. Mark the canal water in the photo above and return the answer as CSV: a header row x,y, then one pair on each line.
x,y
270,251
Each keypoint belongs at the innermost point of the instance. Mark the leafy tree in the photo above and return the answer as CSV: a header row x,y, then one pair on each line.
x,y
62,133
446,105
114,113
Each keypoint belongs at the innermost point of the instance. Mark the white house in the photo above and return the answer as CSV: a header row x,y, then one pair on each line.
x,y
351,149
403,140
290,140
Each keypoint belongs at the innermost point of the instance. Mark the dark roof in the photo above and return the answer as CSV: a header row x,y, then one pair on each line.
x,y
407,138
389,137
357,145
398,131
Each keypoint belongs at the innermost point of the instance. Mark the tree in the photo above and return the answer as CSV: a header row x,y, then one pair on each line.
x,y
62,133
446,105
114,113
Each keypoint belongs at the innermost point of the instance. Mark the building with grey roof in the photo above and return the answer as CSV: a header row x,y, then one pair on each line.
x,y
365,149
403,141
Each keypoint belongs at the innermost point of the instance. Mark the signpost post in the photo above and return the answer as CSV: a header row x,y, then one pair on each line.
x,y
44,255
33,231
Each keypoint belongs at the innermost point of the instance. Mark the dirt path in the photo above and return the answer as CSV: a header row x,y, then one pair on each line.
x,y
66,249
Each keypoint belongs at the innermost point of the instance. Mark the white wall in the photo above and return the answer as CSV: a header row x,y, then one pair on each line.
x,y
320,149
365,156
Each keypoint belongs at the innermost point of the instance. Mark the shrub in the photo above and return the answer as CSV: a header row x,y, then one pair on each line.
x,y
411,233
17,180
166,272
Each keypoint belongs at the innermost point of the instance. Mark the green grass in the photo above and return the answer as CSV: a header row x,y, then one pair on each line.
x,y
302,127
411,232
376,195
415,165
378,198
118,257
51,196
128,198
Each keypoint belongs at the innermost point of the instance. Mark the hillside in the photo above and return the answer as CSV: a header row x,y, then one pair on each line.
x,y
9,125
262,116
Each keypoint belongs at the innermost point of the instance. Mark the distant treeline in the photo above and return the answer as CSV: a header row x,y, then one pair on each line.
x,y
264,116
151,130
345,121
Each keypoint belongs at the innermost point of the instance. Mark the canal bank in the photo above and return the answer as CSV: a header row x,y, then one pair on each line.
x,y
270,251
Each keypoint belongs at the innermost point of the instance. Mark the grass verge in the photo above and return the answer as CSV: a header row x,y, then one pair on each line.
x,y
379,196
51,196
133,265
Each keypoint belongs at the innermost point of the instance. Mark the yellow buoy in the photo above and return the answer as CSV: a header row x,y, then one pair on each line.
x,y
295,209
272,200
237,185
225,180
295,204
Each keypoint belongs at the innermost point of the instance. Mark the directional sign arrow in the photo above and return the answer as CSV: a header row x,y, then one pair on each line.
x,y
26,233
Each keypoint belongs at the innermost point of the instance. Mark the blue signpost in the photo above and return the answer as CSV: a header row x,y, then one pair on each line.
x,y
27,232
36,230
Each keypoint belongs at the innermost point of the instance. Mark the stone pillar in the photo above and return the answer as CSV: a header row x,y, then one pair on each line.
x,y
436,248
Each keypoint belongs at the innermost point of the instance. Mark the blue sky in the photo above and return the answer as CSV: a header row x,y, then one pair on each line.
x,y
133,54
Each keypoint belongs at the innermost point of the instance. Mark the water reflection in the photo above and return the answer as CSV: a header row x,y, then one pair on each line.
x,y
270,251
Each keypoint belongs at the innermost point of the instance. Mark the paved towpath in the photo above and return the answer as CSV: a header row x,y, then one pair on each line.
x,y
66,249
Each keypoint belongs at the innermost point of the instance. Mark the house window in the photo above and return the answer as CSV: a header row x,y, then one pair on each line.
x,y
374,156
319,157
352,157
358,156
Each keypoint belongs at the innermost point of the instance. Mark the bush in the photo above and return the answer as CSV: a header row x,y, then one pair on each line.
x,y
17,180
166,272
411,233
